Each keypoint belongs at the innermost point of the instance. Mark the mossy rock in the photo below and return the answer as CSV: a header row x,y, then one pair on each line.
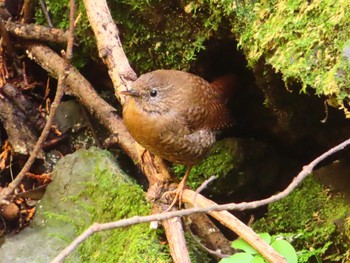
x,y
313,220
89,187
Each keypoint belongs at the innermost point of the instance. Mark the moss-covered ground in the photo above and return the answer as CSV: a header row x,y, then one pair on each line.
x,y
314,220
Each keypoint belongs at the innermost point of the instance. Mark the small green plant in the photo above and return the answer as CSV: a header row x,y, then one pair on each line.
x,y
250,255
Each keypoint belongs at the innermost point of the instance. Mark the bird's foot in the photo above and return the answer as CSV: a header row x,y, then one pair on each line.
x,y
178,195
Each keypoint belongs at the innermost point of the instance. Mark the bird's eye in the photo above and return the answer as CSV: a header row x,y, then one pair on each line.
x,y
153,93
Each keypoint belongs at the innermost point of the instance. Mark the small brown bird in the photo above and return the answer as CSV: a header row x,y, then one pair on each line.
x,y
174,115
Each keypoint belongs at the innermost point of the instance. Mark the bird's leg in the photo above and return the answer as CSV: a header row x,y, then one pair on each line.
x,y
179,190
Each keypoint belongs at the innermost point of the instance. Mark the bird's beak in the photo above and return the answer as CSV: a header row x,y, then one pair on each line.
x,y
130,92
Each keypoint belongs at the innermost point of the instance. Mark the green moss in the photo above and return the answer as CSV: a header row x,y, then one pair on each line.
x,y
155,34
160,34
310,217
106,195
303,40
83,35
116,200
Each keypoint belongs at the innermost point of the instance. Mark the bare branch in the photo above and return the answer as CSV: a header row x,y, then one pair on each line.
x,y
70,43
37,32
46,13
109,44
173,228
79,87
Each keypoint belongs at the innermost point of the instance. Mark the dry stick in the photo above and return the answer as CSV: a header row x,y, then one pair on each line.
x,y
241,229
202,187
59,94
178,250
79,87
27,11
232,206
37,32
122,75
109,45
47,16
70,43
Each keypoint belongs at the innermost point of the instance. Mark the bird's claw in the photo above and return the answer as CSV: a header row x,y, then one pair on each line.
x,y
178,195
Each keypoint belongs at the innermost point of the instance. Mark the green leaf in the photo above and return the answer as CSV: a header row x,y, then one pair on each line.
x,y
266,237
238,258
243,245
285,249
226,260
258,259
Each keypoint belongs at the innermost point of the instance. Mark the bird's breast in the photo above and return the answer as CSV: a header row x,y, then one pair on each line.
x,y
143,126
166,135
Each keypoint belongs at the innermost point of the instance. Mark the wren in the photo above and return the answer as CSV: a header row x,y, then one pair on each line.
x,y
174,115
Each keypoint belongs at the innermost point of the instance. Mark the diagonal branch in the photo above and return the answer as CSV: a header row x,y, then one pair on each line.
x,y
109,45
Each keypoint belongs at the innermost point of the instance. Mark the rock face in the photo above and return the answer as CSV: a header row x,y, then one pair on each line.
x,y
87,186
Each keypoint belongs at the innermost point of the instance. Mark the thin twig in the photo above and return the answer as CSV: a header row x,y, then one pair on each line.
x,y
202,187
59,94
47,16
232,206
210,251
70,43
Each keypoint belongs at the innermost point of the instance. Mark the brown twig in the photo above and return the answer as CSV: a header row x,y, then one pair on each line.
x,y
109,45
27,11
188,196
202,187
79,87
46,13
177,243
70,43
37,32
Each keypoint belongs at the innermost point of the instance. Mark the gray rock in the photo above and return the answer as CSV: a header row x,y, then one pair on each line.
x,y
69,205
